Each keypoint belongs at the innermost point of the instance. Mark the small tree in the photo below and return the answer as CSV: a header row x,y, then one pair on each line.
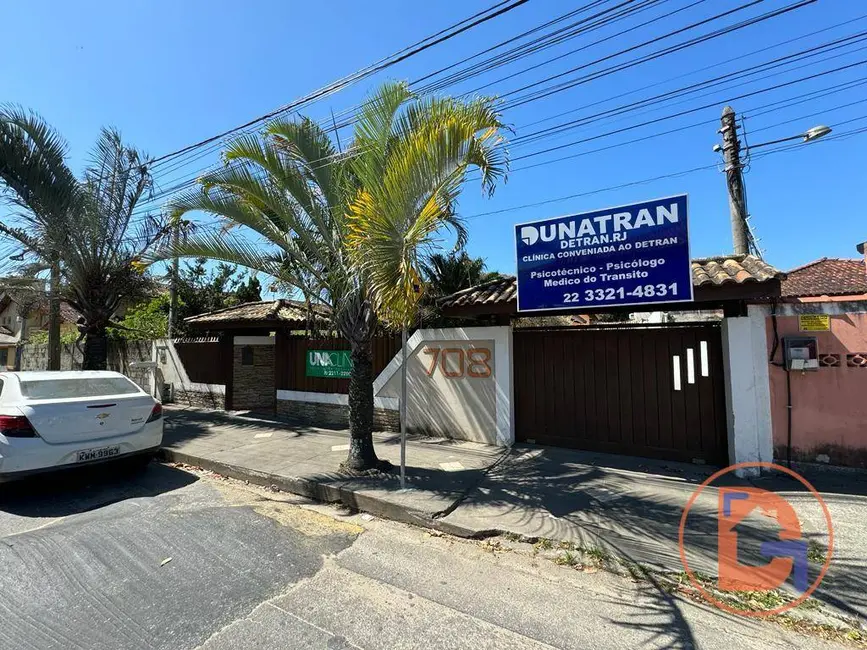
x,y
145,321
309,206
443,275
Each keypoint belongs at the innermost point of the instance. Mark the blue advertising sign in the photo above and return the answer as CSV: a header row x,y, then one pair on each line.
x,y
629,255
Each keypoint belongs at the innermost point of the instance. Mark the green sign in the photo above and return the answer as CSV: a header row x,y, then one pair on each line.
x,y
334,364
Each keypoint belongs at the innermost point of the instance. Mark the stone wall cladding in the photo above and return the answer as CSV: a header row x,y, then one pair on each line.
x,y
253,387
199,399
333,416
34,356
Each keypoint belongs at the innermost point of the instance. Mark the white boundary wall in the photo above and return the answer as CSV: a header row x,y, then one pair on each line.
x,y
468,408
747,389
466,398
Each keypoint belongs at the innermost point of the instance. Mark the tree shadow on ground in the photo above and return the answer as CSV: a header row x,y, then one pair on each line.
x,y
77,490
548,493
188,424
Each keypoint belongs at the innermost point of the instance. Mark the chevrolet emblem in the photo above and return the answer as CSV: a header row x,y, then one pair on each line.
x,y
102,416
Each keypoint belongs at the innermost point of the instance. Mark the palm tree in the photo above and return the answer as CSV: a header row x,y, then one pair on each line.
x,y
81,228
411,181
302,197
443,275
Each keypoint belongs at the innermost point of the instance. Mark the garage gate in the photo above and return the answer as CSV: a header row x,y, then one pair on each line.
x,y
642,391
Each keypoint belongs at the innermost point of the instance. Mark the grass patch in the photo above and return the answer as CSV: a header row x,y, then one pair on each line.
x,y
597,555
513,537
544,544
810,605
635,570
567,558
816,553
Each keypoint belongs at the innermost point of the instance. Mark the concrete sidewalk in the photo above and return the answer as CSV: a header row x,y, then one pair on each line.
x,y
630,506
305,461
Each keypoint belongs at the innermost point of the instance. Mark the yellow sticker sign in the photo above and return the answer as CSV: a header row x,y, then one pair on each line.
x,y
814,322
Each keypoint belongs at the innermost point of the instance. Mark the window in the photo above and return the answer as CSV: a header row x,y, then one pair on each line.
x,y
78,387
4,357
247,355
1,386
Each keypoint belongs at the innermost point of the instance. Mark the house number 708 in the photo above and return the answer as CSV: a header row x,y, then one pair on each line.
x,y
472,362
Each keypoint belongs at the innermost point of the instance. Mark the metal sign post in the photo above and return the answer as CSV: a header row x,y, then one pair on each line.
x,y
629,255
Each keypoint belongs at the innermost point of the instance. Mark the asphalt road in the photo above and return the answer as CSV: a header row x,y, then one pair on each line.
x,y
169,559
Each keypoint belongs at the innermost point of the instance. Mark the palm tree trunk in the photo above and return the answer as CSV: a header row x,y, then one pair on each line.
x,y
95,351
361,453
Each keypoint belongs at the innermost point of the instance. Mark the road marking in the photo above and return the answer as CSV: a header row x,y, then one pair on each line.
x,y
339,447
452,467
263,435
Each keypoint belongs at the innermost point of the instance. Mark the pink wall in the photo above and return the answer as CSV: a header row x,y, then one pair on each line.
x,y
829,414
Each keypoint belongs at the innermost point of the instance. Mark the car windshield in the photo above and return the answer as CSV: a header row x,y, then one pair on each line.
x,y
77,387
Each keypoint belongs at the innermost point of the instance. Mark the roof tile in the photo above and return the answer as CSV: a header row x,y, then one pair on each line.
x,y
826,277
277,311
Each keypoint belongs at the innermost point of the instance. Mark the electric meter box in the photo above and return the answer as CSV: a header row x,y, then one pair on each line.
x,y
801,352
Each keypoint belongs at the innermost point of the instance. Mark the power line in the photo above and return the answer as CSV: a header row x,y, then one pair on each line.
x,y
696,109
712,66
223,226
547,92
625,65
653,179
440,37
620,111
352,112
190,180
711,82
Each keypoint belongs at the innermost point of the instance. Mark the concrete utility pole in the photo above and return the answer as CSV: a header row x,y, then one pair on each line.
x,y
173,287
54,316
731,149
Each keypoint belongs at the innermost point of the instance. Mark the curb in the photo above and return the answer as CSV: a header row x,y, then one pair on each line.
x,y
325,493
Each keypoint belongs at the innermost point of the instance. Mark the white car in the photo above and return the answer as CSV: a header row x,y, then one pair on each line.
x,y
60,419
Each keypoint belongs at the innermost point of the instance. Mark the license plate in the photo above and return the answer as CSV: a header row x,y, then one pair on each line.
x,y
99,453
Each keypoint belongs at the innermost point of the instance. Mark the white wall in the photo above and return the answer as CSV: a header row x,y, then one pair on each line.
x,y
747,389
444,396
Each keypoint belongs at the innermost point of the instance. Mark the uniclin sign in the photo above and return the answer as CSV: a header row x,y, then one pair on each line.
x,y
336,364
604,227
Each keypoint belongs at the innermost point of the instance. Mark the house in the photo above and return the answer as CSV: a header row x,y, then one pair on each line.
x,y
22,312
825,299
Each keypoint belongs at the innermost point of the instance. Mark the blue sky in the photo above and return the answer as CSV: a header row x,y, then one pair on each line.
x,y
168,74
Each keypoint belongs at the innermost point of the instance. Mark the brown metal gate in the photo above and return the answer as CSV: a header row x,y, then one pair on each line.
x,y
643,391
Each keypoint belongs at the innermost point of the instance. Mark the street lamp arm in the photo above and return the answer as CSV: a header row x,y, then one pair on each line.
x,y
808,136
765,144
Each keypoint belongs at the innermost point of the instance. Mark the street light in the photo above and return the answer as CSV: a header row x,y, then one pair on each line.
x,y
807,136
734,168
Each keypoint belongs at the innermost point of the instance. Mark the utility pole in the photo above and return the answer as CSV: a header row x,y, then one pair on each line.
x,y
54,315
731,149
173,286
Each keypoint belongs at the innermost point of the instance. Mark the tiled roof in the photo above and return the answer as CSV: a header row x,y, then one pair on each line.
x,y
68,313
826,277
8,339
737,269
708,271
5,330
267,311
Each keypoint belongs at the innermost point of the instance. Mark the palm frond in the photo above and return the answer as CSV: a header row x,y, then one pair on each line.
x,y
411,190
34,173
